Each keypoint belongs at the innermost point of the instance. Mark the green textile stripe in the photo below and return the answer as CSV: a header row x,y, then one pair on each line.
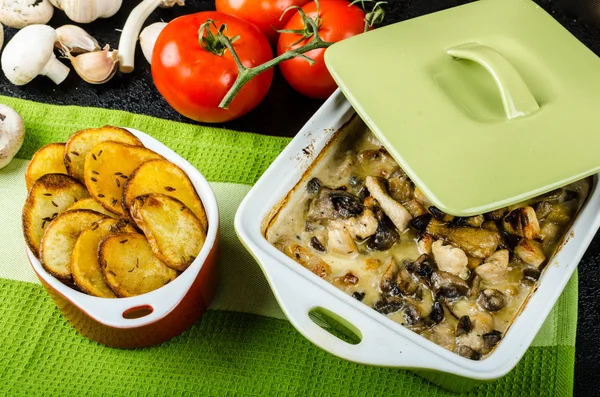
x,y
220,155
226,353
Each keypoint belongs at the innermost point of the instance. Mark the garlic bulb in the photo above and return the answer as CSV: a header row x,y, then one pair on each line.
x,y
96,67
85,11
75,40
148,38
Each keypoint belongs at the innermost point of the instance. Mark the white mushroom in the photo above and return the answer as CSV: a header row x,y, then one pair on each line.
x,y
21,13
132,28
30,53
495,268
148,38
449,259
399,216
340,242
12,132
85,11
75,40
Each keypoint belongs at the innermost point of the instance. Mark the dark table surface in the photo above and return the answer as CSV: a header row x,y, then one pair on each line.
x,y
283,113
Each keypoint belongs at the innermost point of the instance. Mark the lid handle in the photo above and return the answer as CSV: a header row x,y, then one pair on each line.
x,y
517,99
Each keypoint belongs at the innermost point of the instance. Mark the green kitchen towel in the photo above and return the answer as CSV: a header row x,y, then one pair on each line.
x,y
243,345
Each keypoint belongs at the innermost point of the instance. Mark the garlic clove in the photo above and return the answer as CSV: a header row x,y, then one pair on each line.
x,y
96,67
75,40
148,38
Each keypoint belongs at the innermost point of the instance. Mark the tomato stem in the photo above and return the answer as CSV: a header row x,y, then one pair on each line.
x,y
246,74
220,42
373,17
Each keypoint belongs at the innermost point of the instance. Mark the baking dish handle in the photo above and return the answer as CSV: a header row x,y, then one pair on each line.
x,y
379,345
517,99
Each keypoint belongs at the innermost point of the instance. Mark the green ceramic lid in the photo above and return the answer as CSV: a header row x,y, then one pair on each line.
x,y
483,105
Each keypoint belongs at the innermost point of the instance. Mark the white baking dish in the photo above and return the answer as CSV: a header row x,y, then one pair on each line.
x,y
385,342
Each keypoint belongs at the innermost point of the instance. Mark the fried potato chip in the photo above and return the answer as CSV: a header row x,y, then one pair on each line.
x,y
91,204
107,168
162,176
50,195
47,160
173,231
130,267
85,267
59,240
82,142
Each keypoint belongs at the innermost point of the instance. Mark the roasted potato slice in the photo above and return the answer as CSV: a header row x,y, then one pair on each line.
x,y
47,160
82,142
162,176
50,195
85,267
130,267
91,204
173,231
59,240
107,168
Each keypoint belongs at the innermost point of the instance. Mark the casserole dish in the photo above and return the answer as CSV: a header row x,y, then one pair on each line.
x,y
384,342
153,317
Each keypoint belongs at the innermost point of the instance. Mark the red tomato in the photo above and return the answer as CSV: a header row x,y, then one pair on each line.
x,y
338,22
194,80
263,13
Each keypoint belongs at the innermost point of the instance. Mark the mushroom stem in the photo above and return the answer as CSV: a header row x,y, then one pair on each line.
x,y
55,70
132,28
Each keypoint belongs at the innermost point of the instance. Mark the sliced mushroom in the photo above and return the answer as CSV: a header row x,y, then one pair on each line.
x,y
475,286
522,222
359,296
448,285
376,162
474,262
496,214
490,340
412,315
421,268
530,252
401,188
340,242
531,275
542,209
388,283
491,299
415,208
463,326
332,204
448,258
316,244
468,352
440,215
437,313
313,186
475,242
494,268
387,306
420,222
406,282
384,238
393,209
